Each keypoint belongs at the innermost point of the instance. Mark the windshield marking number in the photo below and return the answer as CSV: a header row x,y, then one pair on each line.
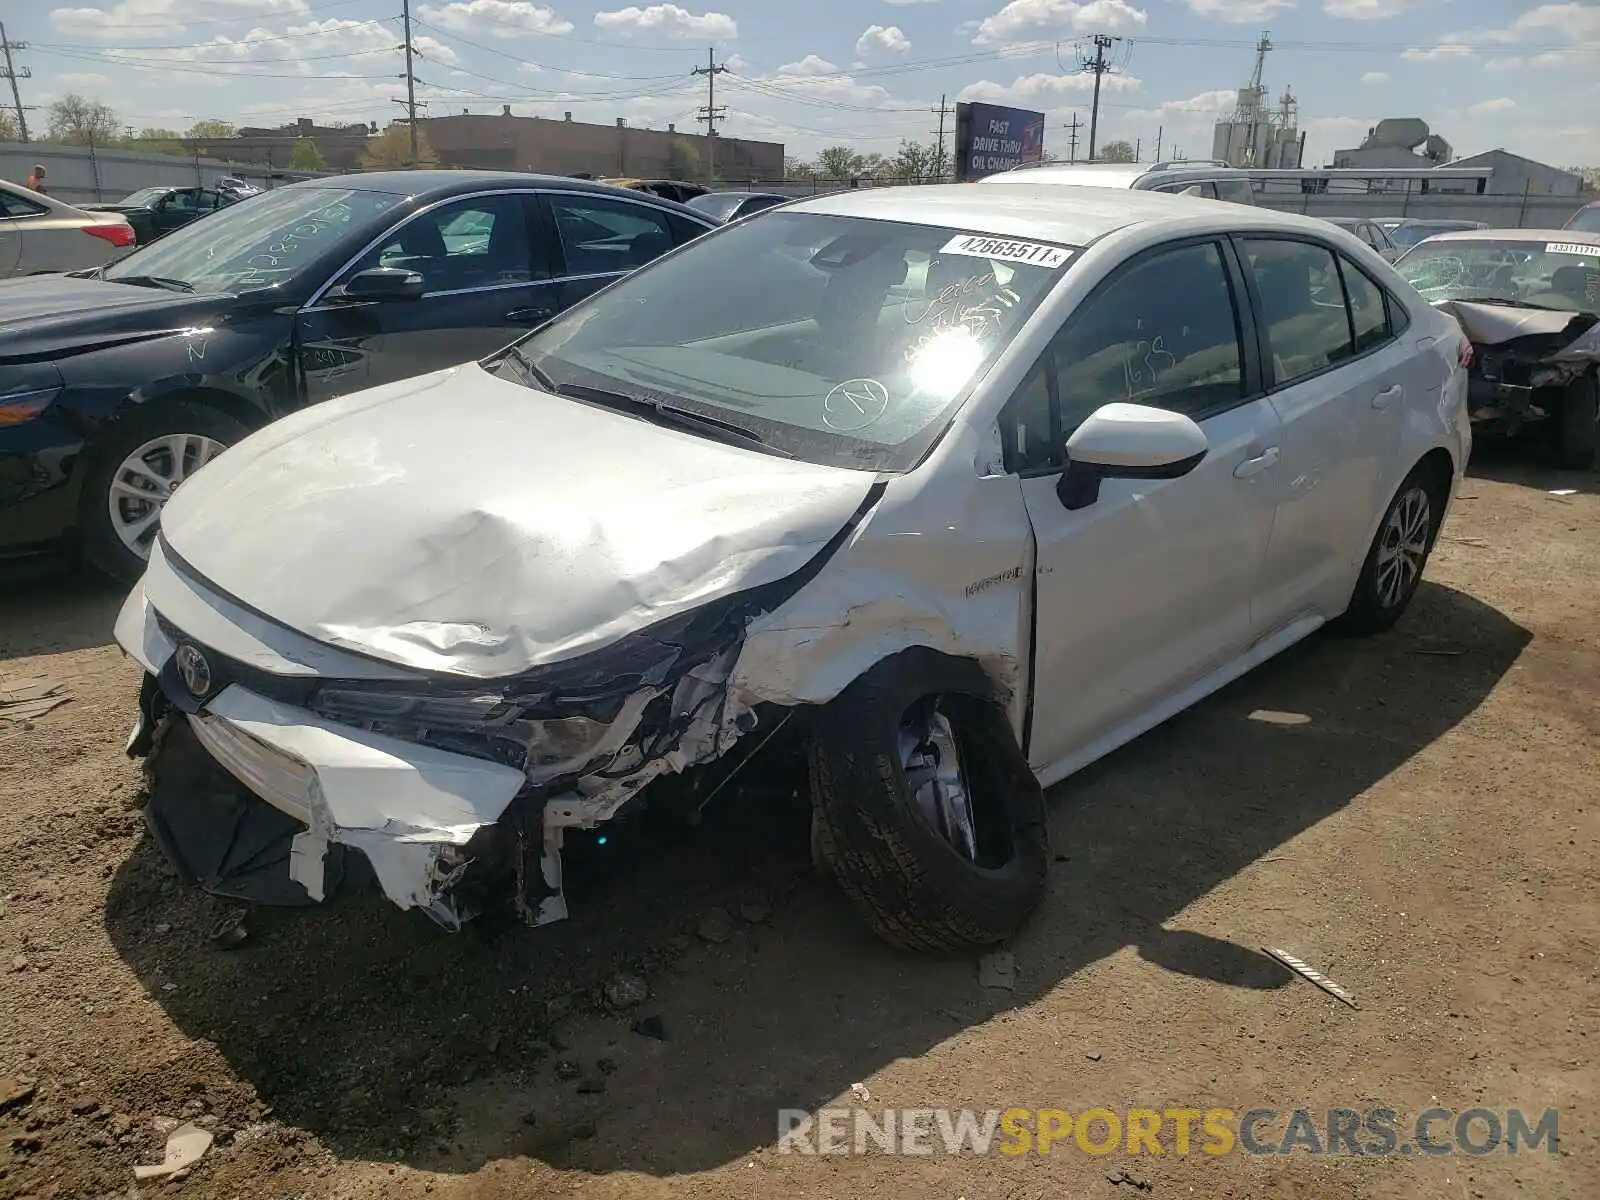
x,y
1006,250
1571,248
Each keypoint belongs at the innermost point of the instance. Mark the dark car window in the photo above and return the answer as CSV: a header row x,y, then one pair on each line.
x,y
719,206
18,206
600,235
1585,220
756,204
480,242
1369,312
1162,332
1239,191
1303,314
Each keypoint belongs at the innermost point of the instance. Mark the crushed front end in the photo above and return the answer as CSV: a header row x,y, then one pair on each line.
x,y
282,767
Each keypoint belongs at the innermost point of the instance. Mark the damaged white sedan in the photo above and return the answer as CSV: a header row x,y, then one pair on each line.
x,y
967,485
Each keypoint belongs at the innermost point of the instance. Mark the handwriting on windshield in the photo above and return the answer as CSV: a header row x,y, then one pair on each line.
x,y
946,303
267,266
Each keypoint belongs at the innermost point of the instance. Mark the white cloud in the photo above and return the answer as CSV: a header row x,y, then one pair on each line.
x,y
1375,77
807,66
668,20
1239,11
887,38
1043,88
82,81
1444,50
1496,105
1216,103
1366,10
736,62
1048,18
1551,60
132,19
372,44
508,16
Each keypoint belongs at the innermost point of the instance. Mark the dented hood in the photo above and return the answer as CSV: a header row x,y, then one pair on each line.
x,y
463,523
1555,335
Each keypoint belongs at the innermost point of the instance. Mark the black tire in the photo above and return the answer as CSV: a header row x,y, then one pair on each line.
x,y
913,887
1577,425
101,545
1374,607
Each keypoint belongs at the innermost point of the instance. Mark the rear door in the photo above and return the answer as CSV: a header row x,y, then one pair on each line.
x,y
487,277
15,212
602,238
1337,373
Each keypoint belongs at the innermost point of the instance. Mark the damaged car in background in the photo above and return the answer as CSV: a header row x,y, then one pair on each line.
x,y
1529,302
967,486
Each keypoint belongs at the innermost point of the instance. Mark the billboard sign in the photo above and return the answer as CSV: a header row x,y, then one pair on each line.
x,y
990,139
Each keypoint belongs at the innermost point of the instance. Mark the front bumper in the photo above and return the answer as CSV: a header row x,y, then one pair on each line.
x,y
409,810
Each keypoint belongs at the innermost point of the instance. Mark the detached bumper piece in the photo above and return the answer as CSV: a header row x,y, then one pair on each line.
x,y
218,835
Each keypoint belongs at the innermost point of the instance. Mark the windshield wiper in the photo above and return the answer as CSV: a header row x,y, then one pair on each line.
x,y
535,372
662,413
157,281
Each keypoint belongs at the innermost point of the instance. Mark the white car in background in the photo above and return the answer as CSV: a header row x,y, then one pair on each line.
x,y
1207,179
971,484
41,235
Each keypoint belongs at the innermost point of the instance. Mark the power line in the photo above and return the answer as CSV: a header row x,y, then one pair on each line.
x,y
411,83
711,114
214,44
233,20
13,73
1099,66
1072,128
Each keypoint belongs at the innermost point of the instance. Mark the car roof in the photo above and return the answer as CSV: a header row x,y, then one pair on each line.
x,y
1571,236
412,183
1072,216
1103,174
741,194
1449,222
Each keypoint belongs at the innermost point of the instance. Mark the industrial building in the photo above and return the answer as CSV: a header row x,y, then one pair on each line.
x,y
1397,142
1257,134
1518,176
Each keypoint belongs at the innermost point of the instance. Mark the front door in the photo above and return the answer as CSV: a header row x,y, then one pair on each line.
x,y
1150,588
487,279
1338,379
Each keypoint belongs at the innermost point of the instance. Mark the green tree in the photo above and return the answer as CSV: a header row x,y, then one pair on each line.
x,y
798,168
76,120
157,141
1115,152
306,156
683,160
212,130
8,126
840,162
912,163
391,150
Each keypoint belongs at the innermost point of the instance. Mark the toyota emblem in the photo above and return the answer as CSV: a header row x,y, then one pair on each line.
x,y
195,670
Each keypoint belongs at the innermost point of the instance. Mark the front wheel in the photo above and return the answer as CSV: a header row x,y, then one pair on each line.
x,y
1399,552
926,811
142,462
1577,425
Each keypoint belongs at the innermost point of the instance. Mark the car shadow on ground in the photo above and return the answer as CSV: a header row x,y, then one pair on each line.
x,y
390,1040
1529,462
48,608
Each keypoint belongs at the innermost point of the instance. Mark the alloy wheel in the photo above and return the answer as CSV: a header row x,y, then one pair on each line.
x,y
931,761
146,479
1403,548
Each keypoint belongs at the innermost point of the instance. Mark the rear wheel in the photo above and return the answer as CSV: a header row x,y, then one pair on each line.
x,y
926,812
1577,424
136,470
1399,552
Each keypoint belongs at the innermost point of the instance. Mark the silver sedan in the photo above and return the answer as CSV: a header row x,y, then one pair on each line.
x,y
39,234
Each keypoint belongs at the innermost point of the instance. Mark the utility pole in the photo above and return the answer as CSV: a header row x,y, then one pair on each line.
x,y
411,83
711,114
938,161
1160,129
1072,128
1098,65
1138,147
14,73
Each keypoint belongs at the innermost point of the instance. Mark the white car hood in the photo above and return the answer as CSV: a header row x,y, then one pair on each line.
x,y
462,523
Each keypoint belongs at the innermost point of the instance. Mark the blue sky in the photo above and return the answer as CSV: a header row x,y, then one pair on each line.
x,y
1483,73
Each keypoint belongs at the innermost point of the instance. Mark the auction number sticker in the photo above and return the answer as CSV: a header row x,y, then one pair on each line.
x,y
1572,248
980,246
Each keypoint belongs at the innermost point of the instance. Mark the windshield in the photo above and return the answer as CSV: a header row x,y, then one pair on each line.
x,y
1409,233
1586,219
143,196
838,340
1559,275
258,244
717,205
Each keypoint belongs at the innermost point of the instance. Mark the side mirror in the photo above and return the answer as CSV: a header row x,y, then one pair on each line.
x,y
384,283
1128,441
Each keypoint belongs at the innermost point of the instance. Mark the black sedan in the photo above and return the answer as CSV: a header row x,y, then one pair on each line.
x,y
117,383
156,211
730,206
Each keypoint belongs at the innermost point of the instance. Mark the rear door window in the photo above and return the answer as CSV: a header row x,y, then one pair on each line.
x,y
601,235
1304,319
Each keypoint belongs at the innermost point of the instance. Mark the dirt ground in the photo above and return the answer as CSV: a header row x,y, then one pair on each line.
x,y
1425,836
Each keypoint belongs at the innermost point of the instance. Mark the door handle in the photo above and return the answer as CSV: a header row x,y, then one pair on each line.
x,y
529,316
1264,461
1388,396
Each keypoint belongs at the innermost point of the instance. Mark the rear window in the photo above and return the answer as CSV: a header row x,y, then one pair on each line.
x,y
1586,219
1239,191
